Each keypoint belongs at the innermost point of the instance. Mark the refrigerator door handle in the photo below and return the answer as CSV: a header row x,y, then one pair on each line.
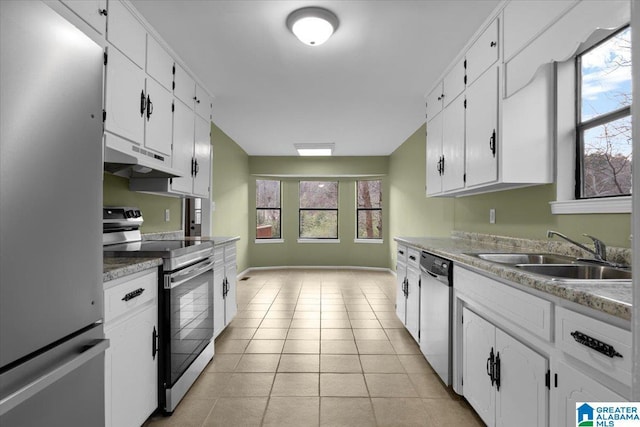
x,y
29,390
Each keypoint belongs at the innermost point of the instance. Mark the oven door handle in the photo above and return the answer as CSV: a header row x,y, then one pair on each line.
x,y
179,279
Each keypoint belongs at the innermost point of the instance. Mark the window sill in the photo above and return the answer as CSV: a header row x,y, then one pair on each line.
x,y
374,241
318,240
592,206
261,241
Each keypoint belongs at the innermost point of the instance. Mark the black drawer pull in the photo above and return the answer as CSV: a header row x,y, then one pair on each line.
x,y
133,294
595,344
412,258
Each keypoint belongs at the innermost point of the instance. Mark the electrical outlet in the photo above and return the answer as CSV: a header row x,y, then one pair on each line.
x,y
492,216
167,215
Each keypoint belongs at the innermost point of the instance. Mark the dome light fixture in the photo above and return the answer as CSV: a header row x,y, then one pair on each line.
x,y
312,25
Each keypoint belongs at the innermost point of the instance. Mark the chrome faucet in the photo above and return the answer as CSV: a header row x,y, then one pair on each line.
x,y
600,249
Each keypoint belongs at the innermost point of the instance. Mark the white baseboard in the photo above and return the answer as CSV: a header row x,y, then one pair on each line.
x,y
315,267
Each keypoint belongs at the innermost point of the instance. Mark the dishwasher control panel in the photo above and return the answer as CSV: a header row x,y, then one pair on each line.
x,y
436,265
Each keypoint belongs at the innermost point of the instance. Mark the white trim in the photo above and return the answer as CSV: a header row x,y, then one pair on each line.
x,y
588,206
317,267
261,241
318,240
374,241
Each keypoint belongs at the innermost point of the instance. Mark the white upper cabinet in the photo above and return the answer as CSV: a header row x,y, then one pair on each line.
x,y
125,98
454,82
202,158
93,12
483,53
126,33
159,64
185,87
203,103
453,156
434,102
158,118
183,136
482,129
434,155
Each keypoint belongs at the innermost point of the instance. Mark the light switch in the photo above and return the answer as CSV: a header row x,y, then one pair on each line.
x,y
492,216
167,215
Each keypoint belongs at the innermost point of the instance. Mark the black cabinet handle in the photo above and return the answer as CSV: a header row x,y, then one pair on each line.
x,y
491,366
102,12
154,343
595,344
401,252
133,294
412,258
197,167
492,143
143,103
493,44
496,372
149,107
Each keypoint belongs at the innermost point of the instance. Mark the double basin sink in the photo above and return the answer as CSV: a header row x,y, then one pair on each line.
x,y
558,267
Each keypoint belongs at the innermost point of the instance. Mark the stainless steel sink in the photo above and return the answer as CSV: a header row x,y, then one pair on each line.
x,y
578,271
521,258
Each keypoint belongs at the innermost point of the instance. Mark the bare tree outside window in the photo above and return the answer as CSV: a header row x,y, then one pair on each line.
x,y
268,218
318,209
369,209
604,121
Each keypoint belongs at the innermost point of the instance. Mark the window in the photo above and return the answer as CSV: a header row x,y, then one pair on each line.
x,y
369,209
604,142
318,209
268,218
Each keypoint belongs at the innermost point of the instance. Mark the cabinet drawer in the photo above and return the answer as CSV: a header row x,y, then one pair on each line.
x,y
401,254
126,294
585,328
413,258
230,253
520,308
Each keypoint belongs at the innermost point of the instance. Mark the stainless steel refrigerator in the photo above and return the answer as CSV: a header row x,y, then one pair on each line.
x,y
51,337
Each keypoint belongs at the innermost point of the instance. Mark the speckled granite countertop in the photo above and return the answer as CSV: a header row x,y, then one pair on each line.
x,y
114,268
217,240
611,298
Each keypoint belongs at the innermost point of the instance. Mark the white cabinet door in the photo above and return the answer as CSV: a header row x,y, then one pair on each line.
x,y
159,64
230,303
203,103
454,82
453,143
125,98
523,396
185,88
574,386
413,303
434,102
126,33
218,299
483,53
158,118
131,370
482,145
182,154
93,12
202,156
401,298
434,155
478,338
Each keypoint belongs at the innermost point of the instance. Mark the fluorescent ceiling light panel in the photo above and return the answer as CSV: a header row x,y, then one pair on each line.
x,y
315,149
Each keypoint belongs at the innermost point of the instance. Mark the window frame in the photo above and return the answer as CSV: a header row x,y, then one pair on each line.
x,y
583,126
358,238
279,209
337,210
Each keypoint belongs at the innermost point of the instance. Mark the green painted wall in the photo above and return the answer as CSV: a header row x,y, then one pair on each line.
x,y
411,212
230,193
116,193
345,253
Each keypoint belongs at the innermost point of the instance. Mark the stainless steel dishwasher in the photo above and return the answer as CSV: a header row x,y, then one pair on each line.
x,y
435,313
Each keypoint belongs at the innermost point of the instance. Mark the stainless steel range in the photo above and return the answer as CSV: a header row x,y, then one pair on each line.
x,y
185,305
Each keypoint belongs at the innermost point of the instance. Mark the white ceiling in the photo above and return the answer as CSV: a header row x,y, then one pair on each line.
x,y
363,89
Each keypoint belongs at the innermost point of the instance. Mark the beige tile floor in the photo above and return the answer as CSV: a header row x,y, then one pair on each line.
x,y
318,348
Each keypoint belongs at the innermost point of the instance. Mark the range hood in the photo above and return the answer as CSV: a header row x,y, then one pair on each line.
x,y
124,158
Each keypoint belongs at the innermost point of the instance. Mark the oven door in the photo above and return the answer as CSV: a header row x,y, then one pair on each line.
x,y
187,319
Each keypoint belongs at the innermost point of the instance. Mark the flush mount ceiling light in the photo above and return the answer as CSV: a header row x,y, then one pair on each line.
x,y
312,25
315,149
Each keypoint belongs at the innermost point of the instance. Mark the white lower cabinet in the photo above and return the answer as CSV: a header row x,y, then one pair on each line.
x,y
503,379
225,273
571,386
131,361
408,291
